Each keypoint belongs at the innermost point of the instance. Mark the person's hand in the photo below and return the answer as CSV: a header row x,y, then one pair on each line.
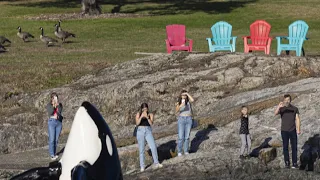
x,y
280,104
298,132
144,114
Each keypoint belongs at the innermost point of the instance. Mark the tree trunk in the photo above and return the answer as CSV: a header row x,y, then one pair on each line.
x,y
91,7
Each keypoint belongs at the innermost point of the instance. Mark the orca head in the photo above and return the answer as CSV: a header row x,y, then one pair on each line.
x,y
103,128
89,138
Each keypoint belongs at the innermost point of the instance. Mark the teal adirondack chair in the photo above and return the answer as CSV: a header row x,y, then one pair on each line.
x,y
297,34
221,36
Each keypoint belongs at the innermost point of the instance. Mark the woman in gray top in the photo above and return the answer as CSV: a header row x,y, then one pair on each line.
x,y
184,111
54,109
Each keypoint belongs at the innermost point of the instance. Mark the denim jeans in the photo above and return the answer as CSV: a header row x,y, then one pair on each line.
x,y
292,136
184,128
54,130
145,133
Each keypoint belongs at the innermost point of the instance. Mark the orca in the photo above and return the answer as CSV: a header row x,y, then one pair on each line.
x,y
90,152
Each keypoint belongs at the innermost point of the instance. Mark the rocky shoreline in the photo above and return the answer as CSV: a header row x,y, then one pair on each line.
x,y
220,84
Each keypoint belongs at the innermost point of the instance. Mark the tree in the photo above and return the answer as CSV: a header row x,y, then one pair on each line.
x,y
91,7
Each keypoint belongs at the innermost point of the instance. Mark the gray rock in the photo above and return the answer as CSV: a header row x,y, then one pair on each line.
x,y
250,82
118,91
233,75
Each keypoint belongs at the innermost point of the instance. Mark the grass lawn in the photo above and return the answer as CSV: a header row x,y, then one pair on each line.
x,y
102,42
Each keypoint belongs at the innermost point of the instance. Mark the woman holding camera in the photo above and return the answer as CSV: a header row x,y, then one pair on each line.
x,y
184,111
54,109
144,120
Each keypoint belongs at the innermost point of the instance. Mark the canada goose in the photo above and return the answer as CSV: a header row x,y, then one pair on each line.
x,y
46,39
59,29
23,35
2,48
63,35
4,40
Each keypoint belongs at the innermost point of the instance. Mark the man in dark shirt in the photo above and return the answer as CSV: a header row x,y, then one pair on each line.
x,y
290,127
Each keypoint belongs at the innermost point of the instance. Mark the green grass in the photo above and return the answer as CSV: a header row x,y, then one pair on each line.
x,y
103,42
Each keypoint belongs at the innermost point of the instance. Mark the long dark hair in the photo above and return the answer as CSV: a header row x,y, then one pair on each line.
x,y
52,95
144,105
180,98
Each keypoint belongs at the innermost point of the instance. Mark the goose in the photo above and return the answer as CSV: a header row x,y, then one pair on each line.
x,y
24,35
59,25
46,39
4,40
63,35
2,48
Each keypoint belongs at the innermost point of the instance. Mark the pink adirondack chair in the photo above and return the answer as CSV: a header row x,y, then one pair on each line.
x,y
259,35
176,38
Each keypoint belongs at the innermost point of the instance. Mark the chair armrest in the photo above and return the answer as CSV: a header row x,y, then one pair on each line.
x,y
247,37
234,36
209,39
282,37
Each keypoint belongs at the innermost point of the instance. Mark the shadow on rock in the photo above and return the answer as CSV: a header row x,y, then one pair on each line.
x,y
311,151
166,151
267,151
255,152
61,151
201,136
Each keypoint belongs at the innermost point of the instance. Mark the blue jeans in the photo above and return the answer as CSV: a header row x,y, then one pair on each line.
x,y
184,128
54,130
145,133
292,136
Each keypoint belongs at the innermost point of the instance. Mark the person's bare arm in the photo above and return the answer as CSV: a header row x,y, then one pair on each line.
x,y
276,112
178,107
298,124
150,120
138,119
190,97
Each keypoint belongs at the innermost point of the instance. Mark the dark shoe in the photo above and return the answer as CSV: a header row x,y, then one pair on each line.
x,y
287,165
242,157
295,166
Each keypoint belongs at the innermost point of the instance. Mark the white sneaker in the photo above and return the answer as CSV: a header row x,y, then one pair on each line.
x,y
179,154
142,169
186,153
158,166
53,158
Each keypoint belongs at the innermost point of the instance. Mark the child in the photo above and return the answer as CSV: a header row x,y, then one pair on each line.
x,y
244,133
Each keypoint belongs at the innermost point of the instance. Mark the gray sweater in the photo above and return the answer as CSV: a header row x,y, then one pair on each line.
x,y
50,110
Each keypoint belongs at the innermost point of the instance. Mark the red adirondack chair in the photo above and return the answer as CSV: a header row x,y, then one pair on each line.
x,y
176,38
259,35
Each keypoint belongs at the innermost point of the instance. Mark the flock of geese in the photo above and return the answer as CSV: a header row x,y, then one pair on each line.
x,y
59,33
